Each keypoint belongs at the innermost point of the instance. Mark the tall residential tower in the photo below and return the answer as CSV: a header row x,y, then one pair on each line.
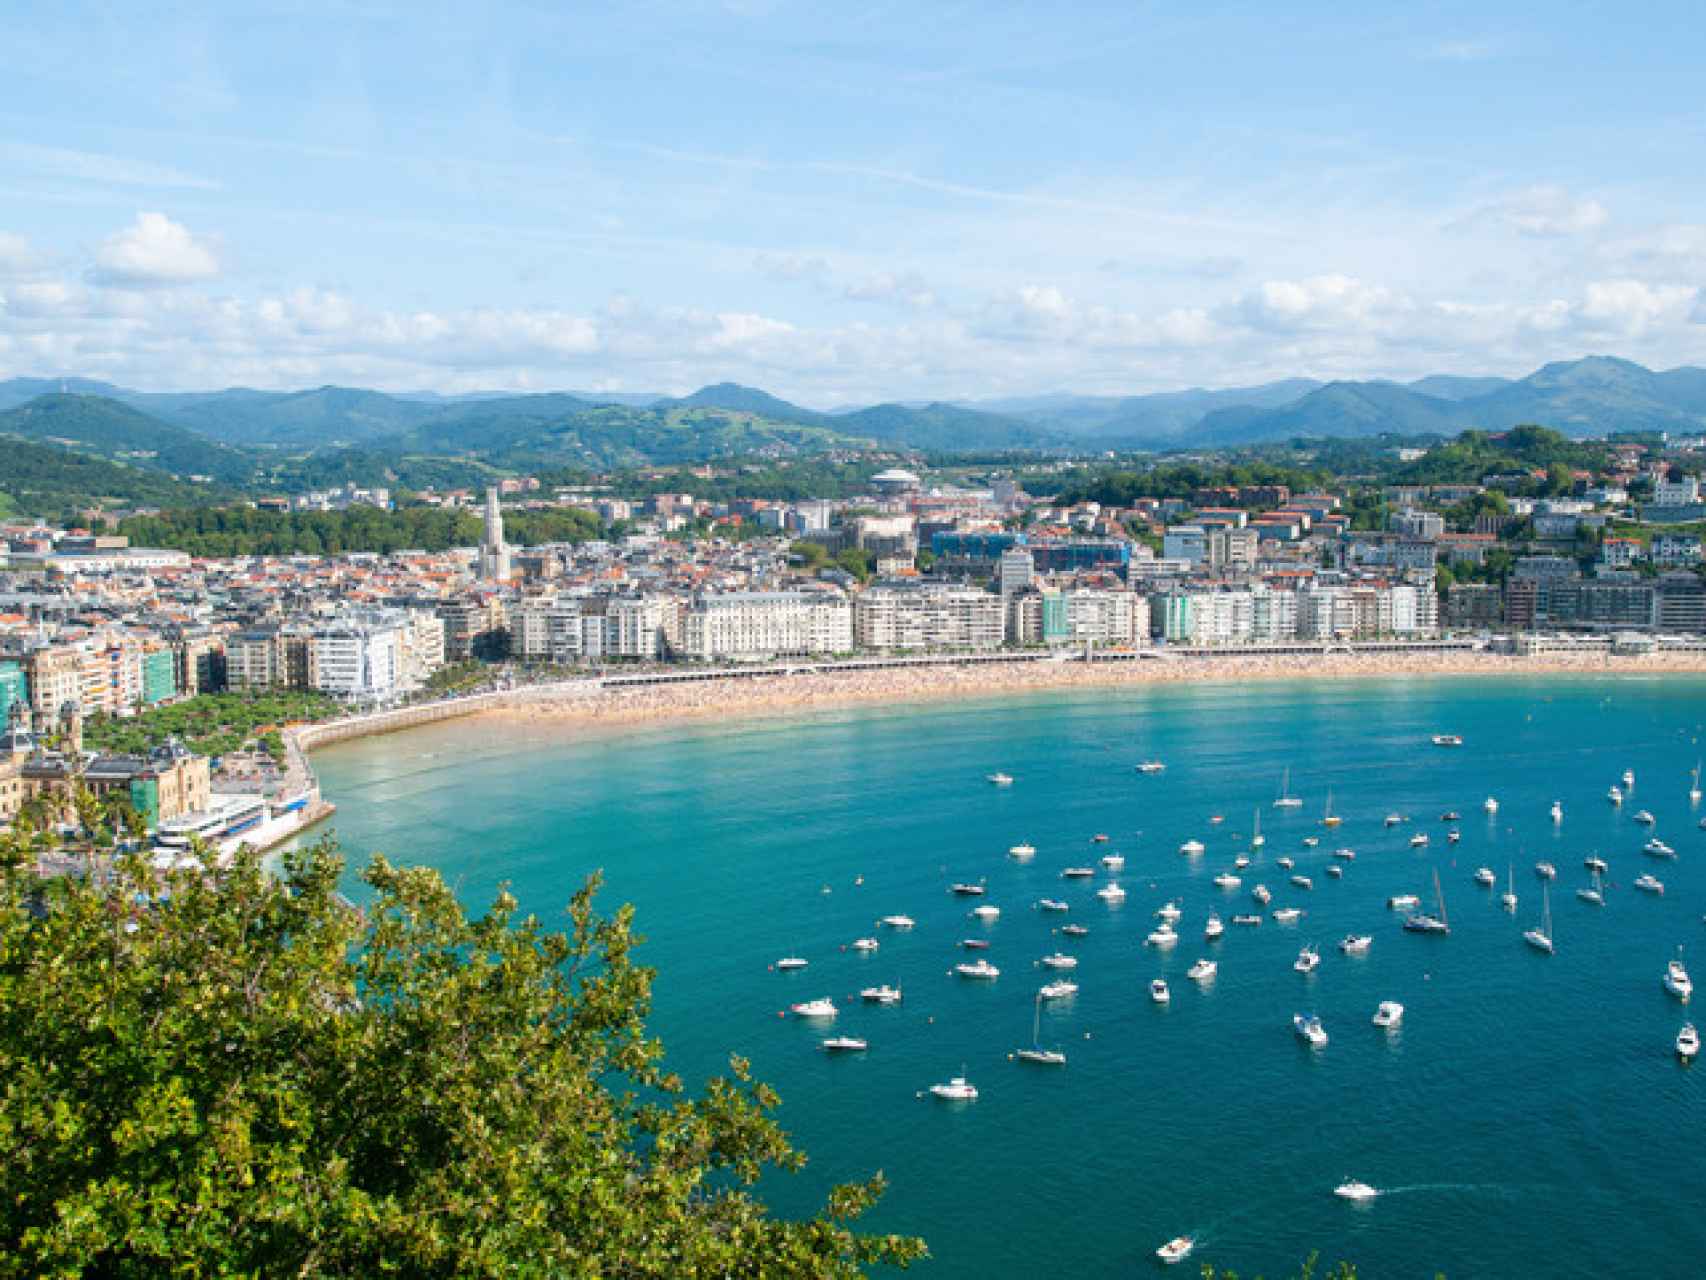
x,y
494,555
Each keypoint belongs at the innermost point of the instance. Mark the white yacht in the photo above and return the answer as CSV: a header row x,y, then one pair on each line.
x,y
977,969
845,1044
1052,904
1694,785
1161,936
1168,911
1191,848
1644,818
1557,812
1393,819
1546,871
1214,928
965,889
823,1007
1176,1250
1650,884
958,1089
1447,740
898,922
1036,1053
1452,837
1023,852
999,779
1226,880
1303,882
1260,894
787,963
1418,840
1057,990
1354,1190
1151,766
1335,870
1309,1028
1284,863
1489,805
1389,1014
1078,873
1286,800
1257,840
1658,849
884,994
1059,960
1614,794
1114,861
1074,930
1309,842
1247,920
1628,779
1288,915
1240,862
1202,971
1677,981
1508,899
1345,855
1158,991
1403,902
1540,937
1687,1042
1357,944
1307,960
1485,878
1111,893
865,944
1593,895
1593,862
1436,921
986,912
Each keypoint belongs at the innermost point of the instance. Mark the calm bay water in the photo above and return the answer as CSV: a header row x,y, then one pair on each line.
x,y
1529,1118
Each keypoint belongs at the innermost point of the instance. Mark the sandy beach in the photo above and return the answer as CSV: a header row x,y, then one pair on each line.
x,y
822,690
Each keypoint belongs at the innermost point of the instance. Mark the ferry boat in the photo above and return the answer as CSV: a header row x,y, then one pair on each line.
x,y
229,815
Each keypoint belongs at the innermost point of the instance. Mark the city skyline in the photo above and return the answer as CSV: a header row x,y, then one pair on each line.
x,y
840,207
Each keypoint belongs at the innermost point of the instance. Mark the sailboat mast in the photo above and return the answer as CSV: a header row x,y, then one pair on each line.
x,y
1439,897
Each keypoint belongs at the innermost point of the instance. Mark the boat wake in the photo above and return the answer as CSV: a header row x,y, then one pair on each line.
x,y
1475,1188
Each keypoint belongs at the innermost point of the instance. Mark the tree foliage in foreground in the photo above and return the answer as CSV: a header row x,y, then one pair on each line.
x,y
252,1077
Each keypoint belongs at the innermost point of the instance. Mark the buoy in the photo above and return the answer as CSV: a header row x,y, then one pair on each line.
x,y
781,1013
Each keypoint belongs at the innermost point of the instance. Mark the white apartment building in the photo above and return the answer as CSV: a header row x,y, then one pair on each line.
x,y
1677,493
928,616
748,625
567,629
1107,617
359,657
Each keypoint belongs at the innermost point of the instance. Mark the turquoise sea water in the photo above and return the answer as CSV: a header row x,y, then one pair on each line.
x,y
1529,1118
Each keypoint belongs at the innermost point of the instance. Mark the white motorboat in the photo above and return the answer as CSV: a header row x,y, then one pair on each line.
x,y
1354,1190
1447,740
1214,928
1485,878
1052,904
1403,902
823,1007
1628,779
999,779
788,963
1191,848
1114,861
1226,880
897,922
1614,794
1356,944
1508,899
1251,921
1677,981
1286,800
1687,1042
1074,930
1059,960
1158,991
1168,911
1657,848
1595,863
1546,871
1303,882
1345,855
965,889
865,944
1162,936
1261,894
1418,840
1540,937
1644,818
1389,1014
974,944
1023,852
1694,785
986,912
1489,805
845,1044
1307,960
1240,862
1309,842
1078,873
1111,893
1288,915
1557,812
1284,863
1057,990
1151,766
1393,819
1309,1028
1650,884
1257,840
1452,837
1176,1250
1202,971
1335,870
977,969
881,995
958,1089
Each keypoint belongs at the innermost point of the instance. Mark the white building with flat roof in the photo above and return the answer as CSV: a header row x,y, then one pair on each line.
x,y
749,625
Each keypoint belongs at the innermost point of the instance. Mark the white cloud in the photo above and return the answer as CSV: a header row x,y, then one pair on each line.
x,y
16,256
153,252
906,288
94,167
1631,308
1546,211
1318,302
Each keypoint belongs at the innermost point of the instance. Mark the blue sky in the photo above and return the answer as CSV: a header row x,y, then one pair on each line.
x,y
844,203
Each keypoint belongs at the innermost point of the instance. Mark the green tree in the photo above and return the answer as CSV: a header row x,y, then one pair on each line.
x,y
249,1076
